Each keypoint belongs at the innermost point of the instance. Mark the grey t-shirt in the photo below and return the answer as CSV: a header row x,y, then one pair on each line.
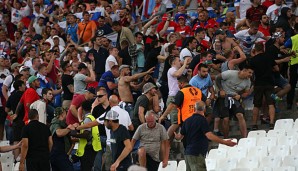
x,y
151,138
79,83
232,84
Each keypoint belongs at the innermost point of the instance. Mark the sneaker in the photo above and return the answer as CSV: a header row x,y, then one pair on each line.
x,y
218,133
276,98
271,126
254,127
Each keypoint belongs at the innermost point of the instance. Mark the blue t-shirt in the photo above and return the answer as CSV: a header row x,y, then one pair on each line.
x,y
105,78
201,83
72,31
194,129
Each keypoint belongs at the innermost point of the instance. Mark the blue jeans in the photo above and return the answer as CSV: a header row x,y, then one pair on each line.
x,y
8,130
98,161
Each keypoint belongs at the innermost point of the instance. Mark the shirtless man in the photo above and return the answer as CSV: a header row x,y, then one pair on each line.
x,y
125,83
226,42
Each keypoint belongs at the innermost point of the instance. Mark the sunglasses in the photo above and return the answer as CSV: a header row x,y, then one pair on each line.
x,y
100,96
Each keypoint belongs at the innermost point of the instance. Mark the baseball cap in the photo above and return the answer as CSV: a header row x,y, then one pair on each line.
x,y
91,90
164,17
14,65
31,79
82,65
56,37
276,35
147,87
219,31
123,66
23,68
46,43
112,115
181,17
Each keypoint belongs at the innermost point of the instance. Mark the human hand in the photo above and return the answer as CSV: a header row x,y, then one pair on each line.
x,y
71,127
287,59
237,97
164,163
161,118
114,166
230,143
151,70
222,93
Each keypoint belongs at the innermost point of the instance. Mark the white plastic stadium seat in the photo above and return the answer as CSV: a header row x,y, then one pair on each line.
x,y
290,161
281,150
257,134
292,132
267,141
262,169
217,153
294,150
247,142
181,166
257,151
271,161
284,168
248,162
288,140
241,169
295,124
210,164
16,166
286,124
240,152
227,163
276,133
7,166
172,165
6,158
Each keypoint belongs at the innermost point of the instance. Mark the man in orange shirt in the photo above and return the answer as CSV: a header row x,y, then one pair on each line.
x,y
86,29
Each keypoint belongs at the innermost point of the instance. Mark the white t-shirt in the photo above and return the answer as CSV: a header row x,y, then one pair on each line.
x,y
185,53
111,58
243,6
274,11
124,119
40,106
8,81
247,40
38,29
172,82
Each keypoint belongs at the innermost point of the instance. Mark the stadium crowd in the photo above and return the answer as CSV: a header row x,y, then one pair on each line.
x,y
117,77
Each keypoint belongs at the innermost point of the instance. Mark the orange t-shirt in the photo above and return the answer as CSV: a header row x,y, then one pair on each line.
x,y
88,32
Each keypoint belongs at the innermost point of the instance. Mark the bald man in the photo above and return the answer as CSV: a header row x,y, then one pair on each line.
x,y
195,131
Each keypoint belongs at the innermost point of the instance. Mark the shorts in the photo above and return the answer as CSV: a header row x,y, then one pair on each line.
x,y
3,116
174,112
225,112
280,81
263,91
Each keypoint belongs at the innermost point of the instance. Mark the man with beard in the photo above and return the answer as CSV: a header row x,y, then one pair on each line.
x,y
120,142
41,105
264,25
227,43
103,28
125,85
255,12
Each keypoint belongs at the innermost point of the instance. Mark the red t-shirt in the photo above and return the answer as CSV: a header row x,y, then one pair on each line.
x,y
265,31
184,31
77,102
268,3
29,96
53,73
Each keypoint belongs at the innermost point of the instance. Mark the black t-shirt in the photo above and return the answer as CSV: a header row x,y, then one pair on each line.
x,y
117,144
66,81
263,69
100,57
273,52
38,135
58,145
104,30
13,100
194,129
142,101
151,60
97,112
126,58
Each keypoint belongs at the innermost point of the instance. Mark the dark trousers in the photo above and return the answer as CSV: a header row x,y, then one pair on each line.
x,y
37,165
293,82
87,160
61,162
151,164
